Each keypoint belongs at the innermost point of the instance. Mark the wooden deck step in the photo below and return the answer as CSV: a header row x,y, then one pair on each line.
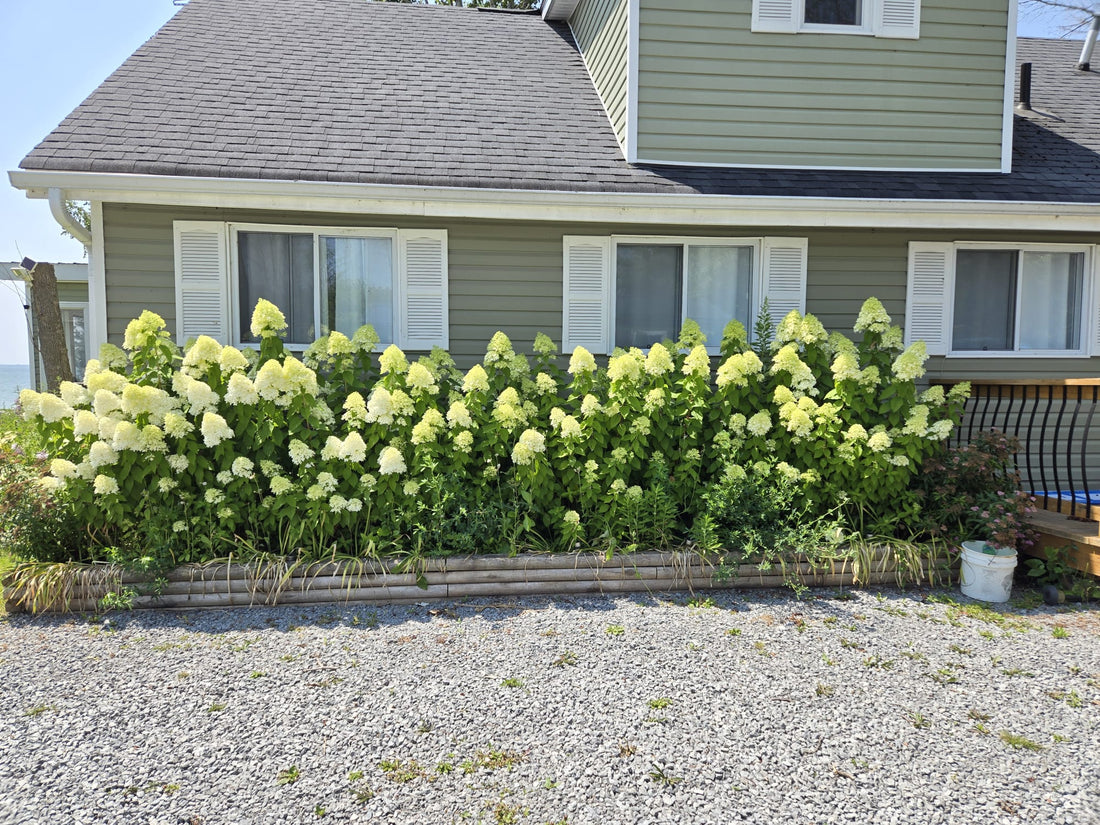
x,y
1059,531
1059,505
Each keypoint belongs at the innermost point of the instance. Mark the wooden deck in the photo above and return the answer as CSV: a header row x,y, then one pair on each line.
x,y
1056,530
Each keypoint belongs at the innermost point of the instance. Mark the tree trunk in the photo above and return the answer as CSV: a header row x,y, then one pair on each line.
x,y
48,326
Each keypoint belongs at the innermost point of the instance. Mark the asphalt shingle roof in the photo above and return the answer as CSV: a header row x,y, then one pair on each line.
x,y
353,91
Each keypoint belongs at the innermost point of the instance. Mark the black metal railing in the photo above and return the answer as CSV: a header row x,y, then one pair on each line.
x,y
1052,420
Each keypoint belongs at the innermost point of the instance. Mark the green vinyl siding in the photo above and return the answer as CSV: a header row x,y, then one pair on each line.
x,y
600,29
73,293
508,275
711,91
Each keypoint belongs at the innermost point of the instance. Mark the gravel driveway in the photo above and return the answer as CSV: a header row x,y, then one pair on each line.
x,y
874,707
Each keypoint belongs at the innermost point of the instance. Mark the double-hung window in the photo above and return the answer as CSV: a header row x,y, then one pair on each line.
x,y
324,279
630,291
992,299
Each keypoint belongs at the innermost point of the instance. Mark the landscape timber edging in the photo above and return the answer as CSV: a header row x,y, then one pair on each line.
x,y
369,581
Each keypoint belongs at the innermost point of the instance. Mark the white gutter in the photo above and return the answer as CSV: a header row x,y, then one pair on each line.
x,y
574,207
62,216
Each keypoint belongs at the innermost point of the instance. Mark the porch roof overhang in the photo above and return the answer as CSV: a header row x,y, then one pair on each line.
x,y
563,206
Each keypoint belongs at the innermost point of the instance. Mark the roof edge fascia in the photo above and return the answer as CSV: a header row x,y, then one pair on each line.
x,y
558,9
557,205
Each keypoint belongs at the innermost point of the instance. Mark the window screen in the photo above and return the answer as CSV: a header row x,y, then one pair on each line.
x,y
834,12
277,266
648,290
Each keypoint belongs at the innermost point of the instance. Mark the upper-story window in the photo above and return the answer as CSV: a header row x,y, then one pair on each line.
x,y
833,13
881,18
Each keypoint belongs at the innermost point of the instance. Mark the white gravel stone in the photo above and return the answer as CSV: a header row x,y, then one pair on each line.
x,y
887,707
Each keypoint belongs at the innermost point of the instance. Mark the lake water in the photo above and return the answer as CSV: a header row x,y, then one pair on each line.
x,y
13,378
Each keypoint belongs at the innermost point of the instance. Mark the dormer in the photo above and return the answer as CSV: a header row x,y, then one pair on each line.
x,y
913,85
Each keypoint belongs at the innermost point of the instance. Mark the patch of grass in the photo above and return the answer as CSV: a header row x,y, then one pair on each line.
x,y
1016,671
962,651
38,710
659,703
506,814
824,690
977,715
1014,740
762,649
550,784
511,682
701,601
918,720
627,749
892,611
615,630
878,662
492,760
1057,737
216,707
982,728
661,776
401,771
799,623
733,631
1059,632
257,674
944,676
827,659
848,644
566,659
288,776
829,621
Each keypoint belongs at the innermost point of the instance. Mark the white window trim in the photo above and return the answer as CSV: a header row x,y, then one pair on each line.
x,y
872,25
867,15
756,298
1088,320
82,306
317,232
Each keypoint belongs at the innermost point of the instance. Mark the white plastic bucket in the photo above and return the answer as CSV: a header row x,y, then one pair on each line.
x,y
986,577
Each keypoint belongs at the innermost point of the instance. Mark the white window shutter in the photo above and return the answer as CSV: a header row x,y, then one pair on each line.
x,y
1094,341
775,15
784,269
422,289
586,288
202,280
898,18
929,289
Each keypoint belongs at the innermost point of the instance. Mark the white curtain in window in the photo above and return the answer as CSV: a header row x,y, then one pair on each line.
x,y
718,288
358,277
1050,300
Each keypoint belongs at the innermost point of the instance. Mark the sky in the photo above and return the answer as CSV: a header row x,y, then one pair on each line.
x,y
57,52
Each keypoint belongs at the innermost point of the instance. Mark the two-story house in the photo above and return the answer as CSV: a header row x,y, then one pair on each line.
x,y
599,172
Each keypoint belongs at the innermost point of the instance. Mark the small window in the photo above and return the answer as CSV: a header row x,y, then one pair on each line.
x,y
1018,300
73,317
834,12
323,282
658,285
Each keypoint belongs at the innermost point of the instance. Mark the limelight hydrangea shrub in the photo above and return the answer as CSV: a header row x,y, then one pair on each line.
x,y
193,455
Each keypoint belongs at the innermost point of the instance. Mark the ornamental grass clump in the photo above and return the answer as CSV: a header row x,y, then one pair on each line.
x,y
196,454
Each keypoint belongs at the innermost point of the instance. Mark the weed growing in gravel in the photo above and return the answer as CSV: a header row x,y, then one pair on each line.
x,y
257,674
318,811
829,621
1071,697
733,631
827,659
511,682
799,623
38,710
400,771
1018,742
945,676
445,767
848,644
627,749
1016,671
962,651
425,726
915,655
216,707
701,601
615,630
659,703
1059,632
492,760
824,690
659,775
893,611
977,715
550,784
762,649
505,814
568,658
879,662
1057,737
549,632
288,776
918,720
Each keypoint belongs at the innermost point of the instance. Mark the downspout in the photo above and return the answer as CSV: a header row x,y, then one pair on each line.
x,y
1090,41
62,216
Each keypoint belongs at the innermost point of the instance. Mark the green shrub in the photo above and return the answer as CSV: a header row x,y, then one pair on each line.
x,y
184,456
